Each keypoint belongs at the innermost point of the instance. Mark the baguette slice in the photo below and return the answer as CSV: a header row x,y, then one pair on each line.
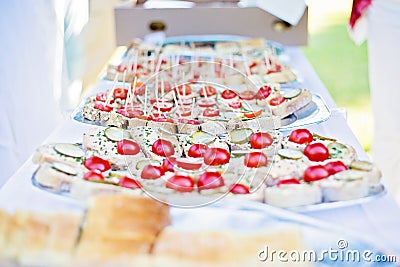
x,y
32,249
48,153
63,236
15,235
126,217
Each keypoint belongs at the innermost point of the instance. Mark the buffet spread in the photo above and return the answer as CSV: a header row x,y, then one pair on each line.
x,y
210,124
204,119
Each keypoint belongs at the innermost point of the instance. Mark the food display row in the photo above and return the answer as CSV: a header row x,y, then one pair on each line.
x,y
303,168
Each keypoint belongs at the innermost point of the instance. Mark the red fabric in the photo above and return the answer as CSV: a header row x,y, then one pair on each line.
x,y
359,7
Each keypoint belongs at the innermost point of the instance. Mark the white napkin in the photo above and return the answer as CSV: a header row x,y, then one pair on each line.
x,y
290,11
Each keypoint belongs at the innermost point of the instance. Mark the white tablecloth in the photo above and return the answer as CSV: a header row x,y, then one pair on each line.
x,y
378,219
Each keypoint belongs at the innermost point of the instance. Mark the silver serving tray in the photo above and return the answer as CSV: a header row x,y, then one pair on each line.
x,y
187,201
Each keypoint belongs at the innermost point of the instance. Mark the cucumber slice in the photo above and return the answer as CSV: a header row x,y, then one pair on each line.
x,y
291,93
290,153
362,165
116,134
61,167
240,136
200,137
119,174
349,175
337,150
141,163
69,150
320,137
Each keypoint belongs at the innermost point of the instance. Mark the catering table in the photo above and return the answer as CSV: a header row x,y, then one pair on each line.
x,y
378,219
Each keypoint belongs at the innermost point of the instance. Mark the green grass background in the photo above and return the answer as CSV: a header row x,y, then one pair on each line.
x,y
341,65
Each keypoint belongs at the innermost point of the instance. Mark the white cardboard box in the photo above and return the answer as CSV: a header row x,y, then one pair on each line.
x,y
205,17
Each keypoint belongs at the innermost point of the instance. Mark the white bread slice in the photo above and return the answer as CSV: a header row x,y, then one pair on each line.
x,y
293,104
52,178
118,228
90,113
47,153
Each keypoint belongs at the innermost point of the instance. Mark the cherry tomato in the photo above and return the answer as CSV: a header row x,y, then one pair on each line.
x,y
121,93
163,148
185,102
255,160
253,64
210,91
163,119
196,75
97,163
216,156
184,89
130,113
206,102
154,116
276,69
167,87
127,147
247,95
239,189
132,106
228,94
288,181
209,180
140,88
260,140
129,183
316,152
251,115
121,68
180,183
163,106
189,163
197,150
101,97
152,172
211,112
235,105
93,175
184,112
168,164
301,136
160,100
188,121
102,106
276,101
335,167
264,92
315,173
